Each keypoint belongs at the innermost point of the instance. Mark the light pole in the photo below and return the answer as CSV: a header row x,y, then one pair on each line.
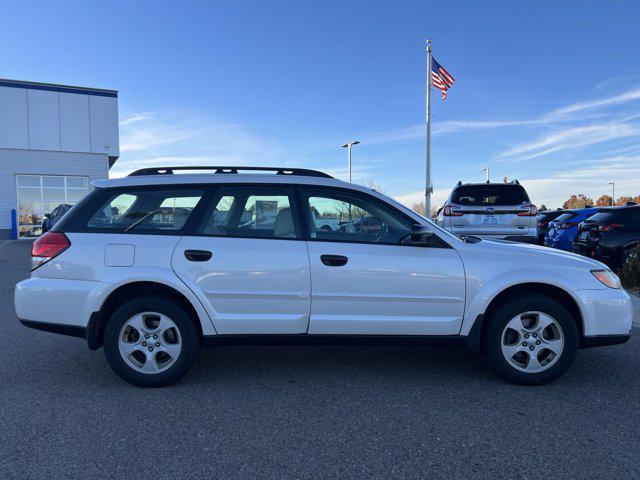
x,y
613,193
486,169
348,147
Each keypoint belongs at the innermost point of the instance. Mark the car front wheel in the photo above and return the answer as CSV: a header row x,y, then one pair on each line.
x,y
531,340
151,342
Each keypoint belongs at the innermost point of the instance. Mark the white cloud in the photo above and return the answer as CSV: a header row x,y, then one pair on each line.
x,y
626,97
558,115
183,137
591,179
571,138
437,198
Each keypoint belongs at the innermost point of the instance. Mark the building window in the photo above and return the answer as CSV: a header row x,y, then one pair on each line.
x,y
40,194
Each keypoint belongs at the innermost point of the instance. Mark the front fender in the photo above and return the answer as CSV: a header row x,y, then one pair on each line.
x,y
480,295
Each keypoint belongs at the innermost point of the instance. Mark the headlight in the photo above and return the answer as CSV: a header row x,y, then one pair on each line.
x,y
607,277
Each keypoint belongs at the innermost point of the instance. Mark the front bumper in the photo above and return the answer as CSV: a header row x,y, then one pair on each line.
x,y
606,312
604,340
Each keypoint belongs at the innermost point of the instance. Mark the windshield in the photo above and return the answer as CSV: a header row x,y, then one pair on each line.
x,y
489,195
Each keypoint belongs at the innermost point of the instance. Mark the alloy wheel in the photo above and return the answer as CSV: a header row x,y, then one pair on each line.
x,y
149,342
532,342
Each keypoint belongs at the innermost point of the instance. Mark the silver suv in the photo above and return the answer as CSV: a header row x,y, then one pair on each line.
x,y
493,210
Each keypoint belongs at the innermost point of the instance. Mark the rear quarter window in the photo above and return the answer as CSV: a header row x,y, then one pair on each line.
x,y
489,195
142,210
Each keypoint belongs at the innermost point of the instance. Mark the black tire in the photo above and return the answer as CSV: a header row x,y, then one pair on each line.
x,y
190,337
527,303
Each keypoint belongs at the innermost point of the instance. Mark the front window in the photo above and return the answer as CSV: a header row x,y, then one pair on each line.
x,y
348,217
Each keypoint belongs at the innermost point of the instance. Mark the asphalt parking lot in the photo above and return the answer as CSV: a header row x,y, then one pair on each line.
x,y
307,412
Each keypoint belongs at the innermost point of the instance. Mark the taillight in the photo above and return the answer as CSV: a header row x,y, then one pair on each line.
x,y
449,212
531,212
543,224
610,227
564,226
48,246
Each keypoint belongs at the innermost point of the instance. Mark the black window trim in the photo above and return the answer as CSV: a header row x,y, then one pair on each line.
x,y
73,223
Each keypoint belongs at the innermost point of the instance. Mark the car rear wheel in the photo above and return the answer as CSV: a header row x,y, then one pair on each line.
x,y
151,342
531,340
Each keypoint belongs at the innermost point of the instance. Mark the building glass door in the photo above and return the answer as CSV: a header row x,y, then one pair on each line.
x,y
40,194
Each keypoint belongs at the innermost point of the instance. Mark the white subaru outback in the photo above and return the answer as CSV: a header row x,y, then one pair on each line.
x,y
155,265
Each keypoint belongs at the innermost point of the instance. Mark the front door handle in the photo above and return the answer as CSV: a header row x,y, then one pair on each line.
x,y
334,260
197,255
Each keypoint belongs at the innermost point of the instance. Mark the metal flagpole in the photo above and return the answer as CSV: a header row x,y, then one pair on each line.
x,y
428,186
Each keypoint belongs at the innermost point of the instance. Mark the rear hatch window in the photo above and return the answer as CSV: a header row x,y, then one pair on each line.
x,y
566,217
622,216
489,195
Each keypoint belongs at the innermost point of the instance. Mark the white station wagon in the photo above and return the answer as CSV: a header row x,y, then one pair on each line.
x,y
155,265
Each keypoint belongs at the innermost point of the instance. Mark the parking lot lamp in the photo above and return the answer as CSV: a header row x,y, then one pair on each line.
x,y
486,169
348,147
613,193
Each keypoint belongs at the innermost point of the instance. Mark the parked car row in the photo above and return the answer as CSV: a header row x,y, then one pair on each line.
x,y
504,211
608,234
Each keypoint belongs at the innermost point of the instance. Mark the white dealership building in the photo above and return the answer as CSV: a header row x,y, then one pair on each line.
x,y
54,140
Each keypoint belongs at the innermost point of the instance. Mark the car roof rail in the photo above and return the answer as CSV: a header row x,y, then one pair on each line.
x,y
230,170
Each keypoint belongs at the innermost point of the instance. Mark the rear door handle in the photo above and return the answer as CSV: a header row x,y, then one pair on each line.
x,y
198,255
334,260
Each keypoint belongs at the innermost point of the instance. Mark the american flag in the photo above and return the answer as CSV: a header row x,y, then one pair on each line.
x,y
440,78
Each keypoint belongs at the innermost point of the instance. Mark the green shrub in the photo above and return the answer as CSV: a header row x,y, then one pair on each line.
x,y
630,271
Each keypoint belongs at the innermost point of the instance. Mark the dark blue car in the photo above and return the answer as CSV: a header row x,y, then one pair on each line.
x,y
564,229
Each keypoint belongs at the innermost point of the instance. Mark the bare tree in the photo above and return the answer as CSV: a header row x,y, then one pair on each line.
x,y
418,207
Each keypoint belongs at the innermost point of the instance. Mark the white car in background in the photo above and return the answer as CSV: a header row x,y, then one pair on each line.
x,y
490,210
155,265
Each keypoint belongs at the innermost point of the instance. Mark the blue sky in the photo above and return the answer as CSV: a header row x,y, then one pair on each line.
x,y
547,92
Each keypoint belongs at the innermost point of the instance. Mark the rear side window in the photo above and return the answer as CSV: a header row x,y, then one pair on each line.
x,y
145,210
489,195
255,212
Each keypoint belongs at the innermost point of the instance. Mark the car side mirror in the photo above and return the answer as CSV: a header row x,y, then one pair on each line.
x,y
48,215
420,235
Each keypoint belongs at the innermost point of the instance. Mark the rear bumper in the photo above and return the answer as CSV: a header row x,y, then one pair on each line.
x,y
528,238
69,330
606,255
54,301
